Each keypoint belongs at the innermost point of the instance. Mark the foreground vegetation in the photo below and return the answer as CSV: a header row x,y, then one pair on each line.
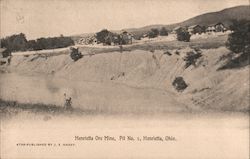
x,y
12,108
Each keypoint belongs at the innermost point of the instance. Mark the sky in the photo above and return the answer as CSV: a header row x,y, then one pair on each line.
x,y
48,18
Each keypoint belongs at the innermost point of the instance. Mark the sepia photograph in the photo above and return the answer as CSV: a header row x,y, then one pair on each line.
x,y
124,79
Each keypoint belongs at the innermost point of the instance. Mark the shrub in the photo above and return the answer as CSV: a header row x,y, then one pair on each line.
x,y
183,35
75,54
191,58
163,31
179,84
239,40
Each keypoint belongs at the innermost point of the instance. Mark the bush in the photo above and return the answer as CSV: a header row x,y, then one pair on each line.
x,y
179,84
75,54
163,31
102,36
153,33
239,40
183,35
191,58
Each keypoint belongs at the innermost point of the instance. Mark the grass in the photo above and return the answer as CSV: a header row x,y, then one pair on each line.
x,y
12,108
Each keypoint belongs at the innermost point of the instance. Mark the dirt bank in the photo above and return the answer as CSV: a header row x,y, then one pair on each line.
x,y
134,81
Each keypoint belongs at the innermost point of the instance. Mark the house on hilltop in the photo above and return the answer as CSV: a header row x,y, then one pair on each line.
x,y
218,27
210,29
194,29
126,37
176,29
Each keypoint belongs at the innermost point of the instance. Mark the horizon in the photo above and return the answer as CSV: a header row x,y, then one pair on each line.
x,y
62,17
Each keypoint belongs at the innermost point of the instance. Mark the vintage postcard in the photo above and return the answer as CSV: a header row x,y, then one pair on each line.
x,y
124,79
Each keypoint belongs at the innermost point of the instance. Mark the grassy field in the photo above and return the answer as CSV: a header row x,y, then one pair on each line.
x,y
209,43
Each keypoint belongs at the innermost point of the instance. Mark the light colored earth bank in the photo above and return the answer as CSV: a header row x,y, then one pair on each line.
x,y
131,81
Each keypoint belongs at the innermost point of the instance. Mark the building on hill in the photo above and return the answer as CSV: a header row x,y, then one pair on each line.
x,y
210,29
126,37
218,27
122,38
194,29
176,29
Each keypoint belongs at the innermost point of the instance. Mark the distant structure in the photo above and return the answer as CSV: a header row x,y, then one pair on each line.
x,y
210,29
126,38
177,29
198,29
218,27
194,29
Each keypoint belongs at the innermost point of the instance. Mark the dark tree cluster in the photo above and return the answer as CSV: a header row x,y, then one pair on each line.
x,y
183,35
50,43
163,31
153,33
239,40
14,43
103,36
19,42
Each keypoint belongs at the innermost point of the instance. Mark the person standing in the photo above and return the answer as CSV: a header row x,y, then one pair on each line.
x,y
67,103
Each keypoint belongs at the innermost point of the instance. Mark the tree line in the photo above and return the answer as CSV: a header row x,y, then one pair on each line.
x,y
18,42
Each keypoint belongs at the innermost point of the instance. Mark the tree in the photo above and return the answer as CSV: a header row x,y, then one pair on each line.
x,y
17,42
102,36
32,45
153,33
163,31
239,40
75,54
179,84
183,35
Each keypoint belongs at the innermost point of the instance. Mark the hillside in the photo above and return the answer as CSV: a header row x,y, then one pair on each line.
x,y
225,16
